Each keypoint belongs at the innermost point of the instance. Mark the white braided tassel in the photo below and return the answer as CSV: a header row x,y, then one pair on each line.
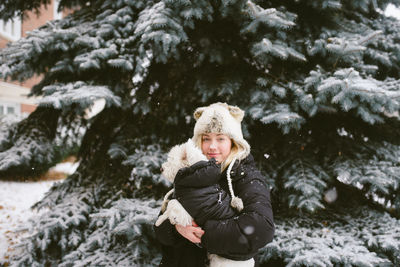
x,y
236,202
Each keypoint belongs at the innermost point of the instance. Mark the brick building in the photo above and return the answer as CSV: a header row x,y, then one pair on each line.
x,y
13,95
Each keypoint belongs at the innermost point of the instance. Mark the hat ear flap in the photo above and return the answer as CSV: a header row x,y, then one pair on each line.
x,y
198,112
236,112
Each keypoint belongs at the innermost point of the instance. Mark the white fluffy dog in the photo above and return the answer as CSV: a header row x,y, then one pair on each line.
x,y
179,157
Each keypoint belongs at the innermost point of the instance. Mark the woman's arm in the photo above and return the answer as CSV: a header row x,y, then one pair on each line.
x,y
171,235
252,229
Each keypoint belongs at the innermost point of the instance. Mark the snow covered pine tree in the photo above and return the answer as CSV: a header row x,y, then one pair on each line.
x,y
319,81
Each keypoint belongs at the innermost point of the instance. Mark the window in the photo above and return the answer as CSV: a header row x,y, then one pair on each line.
x,y
11,30
9,108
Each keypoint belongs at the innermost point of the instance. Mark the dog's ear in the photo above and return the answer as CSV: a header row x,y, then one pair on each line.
x,y
236,112
197,113
193,154
168,171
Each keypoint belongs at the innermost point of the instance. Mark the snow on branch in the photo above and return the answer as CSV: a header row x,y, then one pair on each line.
x,y
306,183
372,168
281,114
125,230
373,236
146,162
158,28
61,96
29,148
269,17
371,99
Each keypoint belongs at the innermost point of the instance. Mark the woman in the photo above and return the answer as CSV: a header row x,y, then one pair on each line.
x,y
218,134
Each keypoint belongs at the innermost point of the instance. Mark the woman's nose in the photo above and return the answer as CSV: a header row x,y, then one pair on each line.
x,y
213,145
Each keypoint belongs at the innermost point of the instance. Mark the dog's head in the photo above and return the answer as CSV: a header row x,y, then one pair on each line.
x,y
176,160
181,156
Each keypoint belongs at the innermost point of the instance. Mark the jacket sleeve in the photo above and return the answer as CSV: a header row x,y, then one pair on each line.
x,y
167,234
252,229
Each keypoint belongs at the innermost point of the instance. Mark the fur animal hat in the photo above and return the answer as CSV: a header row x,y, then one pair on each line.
x,y
221,118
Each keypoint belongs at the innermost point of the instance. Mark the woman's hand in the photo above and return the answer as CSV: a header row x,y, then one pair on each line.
x,y
191,232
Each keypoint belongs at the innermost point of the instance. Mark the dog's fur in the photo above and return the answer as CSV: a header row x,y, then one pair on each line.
x,y
176,214
218,261
182,156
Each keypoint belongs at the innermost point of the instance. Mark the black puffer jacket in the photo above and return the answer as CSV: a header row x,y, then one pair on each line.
x,y
197,189
237,238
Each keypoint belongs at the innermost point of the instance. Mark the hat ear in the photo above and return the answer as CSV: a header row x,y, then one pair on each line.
x,y
236,112
198,112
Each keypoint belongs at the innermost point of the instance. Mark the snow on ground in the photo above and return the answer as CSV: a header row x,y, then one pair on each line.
x,y
16,198
65,167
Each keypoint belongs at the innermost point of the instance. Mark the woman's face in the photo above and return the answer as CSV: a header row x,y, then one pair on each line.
x,y
216,146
